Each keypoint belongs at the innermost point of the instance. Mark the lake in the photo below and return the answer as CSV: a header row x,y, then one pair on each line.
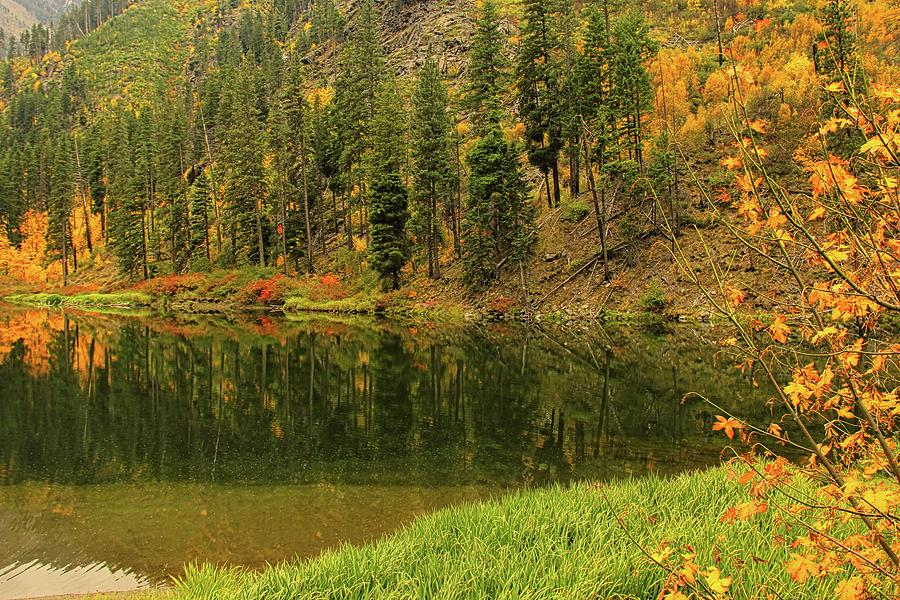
x,y
132,445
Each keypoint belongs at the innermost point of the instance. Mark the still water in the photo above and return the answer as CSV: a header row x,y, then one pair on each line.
x,y
130,446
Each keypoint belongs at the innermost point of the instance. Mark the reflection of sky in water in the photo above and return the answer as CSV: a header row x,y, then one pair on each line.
x,y
36,579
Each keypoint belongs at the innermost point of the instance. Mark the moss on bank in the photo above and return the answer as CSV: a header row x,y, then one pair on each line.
x,y
550,543
95,300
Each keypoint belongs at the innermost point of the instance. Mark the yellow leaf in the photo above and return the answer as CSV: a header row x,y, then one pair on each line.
x,y
852,589
716,582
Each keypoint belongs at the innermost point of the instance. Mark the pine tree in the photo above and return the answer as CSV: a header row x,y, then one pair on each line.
x,y
631,92
290,140
537,81
242,152
199,209
835,52
389,247
432,173
127,230
499,223
362,68
59,206
488,72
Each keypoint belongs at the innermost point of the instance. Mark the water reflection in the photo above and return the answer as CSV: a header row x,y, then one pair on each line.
x,y
147,443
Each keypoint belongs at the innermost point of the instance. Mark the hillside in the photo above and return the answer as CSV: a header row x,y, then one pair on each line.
x,y
15,18
172,112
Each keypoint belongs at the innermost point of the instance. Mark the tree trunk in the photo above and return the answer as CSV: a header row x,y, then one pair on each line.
x,y
259,235
65,254
309,240
555,168
436,272
718,32
144,242
84,203
212,182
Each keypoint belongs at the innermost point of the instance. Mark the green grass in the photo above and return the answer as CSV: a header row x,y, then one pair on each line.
x,y
551,543
116,300
352,305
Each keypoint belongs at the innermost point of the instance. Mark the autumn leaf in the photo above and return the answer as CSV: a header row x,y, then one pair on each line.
x,y
799,567
779,329
736,296
716,582
728,425
731,162
852,589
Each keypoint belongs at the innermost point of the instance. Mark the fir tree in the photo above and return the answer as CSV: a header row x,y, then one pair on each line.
x,y
290,133
537,81
488,72
199,208
242,153
389,247
362,68
499,223
835,51
631,92
432,173
59,206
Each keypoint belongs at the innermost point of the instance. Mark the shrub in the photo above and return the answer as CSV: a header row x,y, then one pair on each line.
x,y
654,300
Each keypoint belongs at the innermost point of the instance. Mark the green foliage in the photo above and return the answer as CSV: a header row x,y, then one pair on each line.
x,y
499,222
388,210
242,153
116,300
551,543
576,211
655,299
538,75
432,175
488,73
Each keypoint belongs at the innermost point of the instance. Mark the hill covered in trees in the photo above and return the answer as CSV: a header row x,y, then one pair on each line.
x,y
510,154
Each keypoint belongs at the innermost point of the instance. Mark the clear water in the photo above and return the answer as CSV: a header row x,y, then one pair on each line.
x,y
130,446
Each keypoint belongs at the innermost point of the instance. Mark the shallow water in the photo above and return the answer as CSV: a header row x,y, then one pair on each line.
x,y
132,446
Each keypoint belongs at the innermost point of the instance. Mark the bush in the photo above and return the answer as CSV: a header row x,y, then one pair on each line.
x,y
576,211
654,300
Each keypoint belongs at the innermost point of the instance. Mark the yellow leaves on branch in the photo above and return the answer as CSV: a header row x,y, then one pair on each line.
x,y
729,425
736,296
832,177
715,582
744,511
779,329
800,567
852,589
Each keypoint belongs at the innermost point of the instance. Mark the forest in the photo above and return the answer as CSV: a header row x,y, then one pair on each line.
x,y
287,136
561,166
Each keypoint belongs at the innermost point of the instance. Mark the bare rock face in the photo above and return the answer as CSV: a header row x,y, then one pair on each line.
x,y
412,27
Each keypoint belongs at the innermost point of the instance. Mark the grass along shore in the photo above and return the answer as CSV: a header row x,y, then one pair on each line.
x,y
581,541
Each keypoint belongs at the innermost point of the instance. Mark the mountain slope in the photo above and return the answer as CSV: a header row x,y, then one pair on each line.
x,y
15,18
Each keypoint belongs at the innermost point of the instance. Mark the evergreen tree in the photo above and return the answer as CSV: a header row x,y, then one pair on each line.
x,y
127,232
242,151
59,206
432,173
539,101
290,133
835,52
362,68
199,208
389,247
499,223
488,72
631,92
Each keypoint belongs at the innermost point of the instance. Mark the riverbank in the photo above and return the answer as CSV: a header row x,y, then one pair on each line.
x,y
585,541
266,290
